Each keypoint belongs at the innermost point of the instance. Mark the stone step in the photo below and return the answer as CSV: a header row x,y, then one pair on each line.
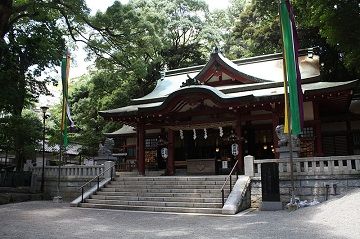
x,y
154,209
136,174
164,183
172,178
166,186
161,194
165,199
195,194
162,190
155,203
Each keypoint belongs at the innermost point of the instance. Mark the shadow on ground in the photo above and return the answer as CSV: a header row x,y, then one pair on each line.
x,y
338,218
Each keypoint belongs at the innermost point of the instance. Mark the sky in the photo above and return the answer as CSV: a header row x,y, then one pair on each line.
x,y
80,67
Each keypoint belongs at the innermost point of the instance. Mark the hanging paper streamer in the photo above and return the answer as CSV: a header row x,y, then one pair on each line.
x,y
194,134
205,134
181,134
221,132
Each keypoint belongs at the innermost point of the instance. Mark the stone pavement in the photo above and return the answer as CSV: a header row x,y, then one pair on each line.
x,y
338,218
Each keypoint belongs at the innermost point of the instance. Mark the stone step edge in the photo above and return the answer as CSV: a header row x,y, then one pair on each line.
x,y
155,209
158,194
164,198
131,201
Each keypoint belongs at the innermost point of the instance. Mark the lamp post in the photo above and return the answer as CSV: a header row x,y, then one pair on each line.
x,y
44,109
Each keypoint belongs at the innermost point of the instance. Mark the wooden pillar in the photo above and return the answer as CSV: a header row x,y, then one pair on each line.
x,y
317,130
349,138
141,148
170,165
240,156
275,123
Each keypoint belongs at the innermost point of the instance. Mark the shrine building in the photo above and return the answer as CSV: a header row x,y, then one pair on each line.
x,y
198,112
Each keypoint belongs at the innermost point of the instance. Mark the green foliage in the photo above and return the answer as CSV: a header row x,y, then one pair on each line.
x,y
27,129
332,25
32,39
338,22
132,43
255,33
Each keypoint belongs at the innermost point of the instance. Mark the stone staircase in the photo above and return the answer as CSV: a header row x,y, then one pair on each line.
x,y
181,194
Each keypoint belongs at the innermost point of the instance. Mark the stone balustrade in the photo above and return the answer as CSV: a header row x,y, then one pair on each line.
x,y
72,177
82,171
314,177
319,166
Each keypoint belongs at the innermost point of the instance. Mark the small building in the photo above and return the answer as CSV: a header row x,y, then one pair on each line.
x,y
198,112
52,154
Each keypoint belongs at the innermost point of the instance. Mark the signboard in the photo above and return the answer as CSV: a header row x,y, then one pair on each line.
x,y
224,164
164,153
270,182
235,149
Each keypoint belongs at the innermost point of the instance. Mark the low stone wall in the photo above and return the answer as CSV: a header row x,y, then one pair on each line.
x,y
69,187
71,178
308,187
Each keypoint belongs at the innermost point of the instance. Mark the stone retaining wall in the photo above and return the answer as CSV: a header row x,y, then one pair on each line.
x,y
69,186
308,187
71,179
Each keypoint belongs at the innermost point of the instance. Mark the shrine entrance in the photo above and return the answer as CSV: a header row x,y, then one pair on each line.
x,y
203,151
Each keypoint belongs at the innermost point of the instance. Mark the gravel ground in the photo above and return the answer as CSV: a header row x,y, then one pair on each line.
x,y
337,218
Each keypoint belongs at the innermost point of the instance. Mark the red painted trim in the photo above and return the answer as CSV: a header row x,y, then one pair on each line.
x,y
240,156
275,122
170,165
221,83
318,138
141,149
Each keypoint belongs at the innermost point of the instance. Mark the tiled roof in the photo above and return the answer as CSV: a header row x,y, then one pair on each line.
x,y
71,149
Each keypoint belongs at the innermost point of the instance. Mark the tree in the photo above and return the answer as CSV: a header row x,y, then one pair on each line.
x,y
255,33
338,22
29,129
132,43
330,25
32,39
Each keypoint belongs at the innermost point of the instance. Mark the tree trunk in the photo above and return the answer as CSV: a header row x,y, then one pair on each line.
x,y
5,13
18,107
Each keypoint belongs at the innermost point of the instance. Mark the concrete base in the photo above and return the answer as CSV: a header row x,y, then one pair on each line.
x,y
239,198
57,199
284,152
271,206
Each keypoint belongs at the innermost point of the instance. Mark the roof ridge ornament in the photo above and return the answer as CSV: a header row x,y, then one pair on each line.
x,y
190,81
216,49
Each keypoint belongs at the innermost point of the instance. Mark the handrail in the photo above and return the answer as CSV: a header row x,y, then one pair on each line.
x,y
98,181
227,178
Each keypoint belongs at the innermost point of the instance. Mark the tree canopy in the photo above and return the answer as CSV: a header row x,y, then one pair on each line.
x,y
32,39
131,43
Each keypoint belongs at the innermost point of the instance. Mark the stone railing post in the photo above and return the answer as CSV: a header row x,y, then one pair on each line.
x,y
249,165
107,165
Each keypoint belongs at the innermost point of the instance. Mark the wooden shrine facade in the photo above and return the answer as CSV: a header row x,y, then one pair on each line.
x,y
198,112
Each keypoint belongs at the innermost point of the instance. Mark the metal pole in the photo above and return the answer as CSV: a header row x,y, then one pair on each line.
x,y
288,119
223,197
230,183
59,170
43,155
